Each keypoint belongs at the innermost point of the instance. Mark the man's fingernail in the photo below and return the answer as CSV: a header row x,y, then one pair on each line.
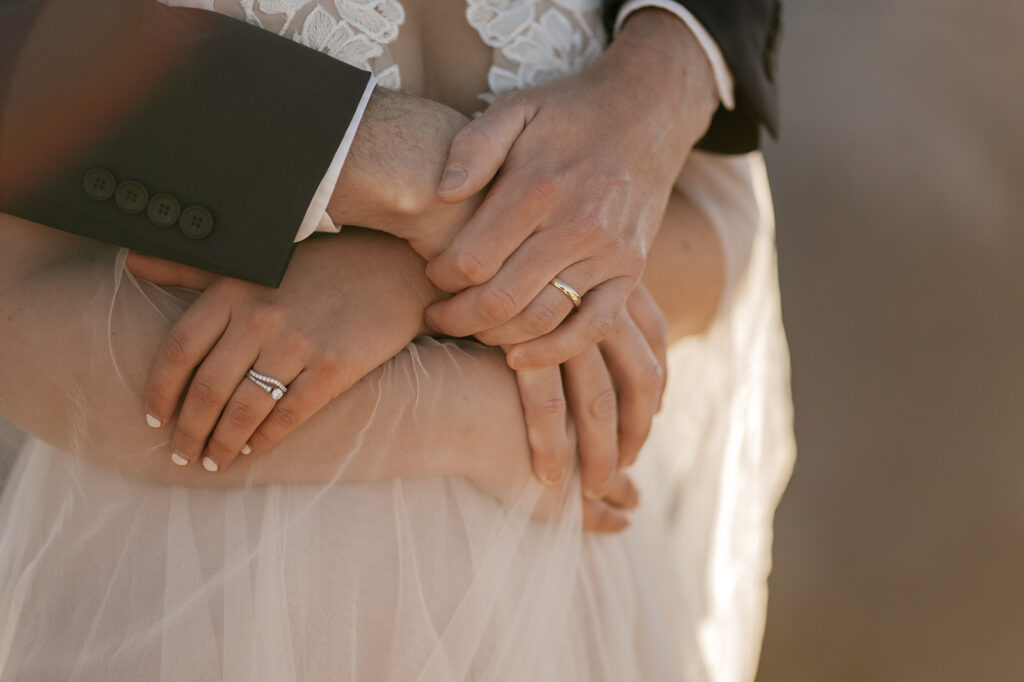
x,y
454,178
246,449
210,465
153,421
515,361
591,494
178,459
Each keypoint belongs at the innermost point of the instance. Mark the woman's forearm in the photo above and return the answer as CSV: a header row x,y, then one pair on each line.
x,y
686,268
62,327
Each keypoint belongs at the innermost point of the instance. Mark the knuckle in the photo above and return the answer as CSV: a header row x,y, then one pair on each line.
x,y
652,377
285,418
516,102
471,268
542,320
604,405
240,415
473,139
549,409
498,304
331,365
599,326
204,392
175,348
298,344
265,317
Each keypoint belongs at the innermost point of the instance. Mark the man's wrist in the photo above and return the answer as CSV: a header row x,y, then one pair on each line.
x,y
390,178
660,50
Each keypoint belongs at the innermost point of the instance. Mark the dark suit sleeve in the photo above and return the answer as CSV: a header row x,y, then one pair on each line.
x,y
175,132
747,32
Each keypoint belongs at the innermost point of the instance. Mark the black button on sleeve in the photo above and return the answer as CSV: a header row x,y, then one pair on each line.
x,y
163,210
196,222
131,197
99,184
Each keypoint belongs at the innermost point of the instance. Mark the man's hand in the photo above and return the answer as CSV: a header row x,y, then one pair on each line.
x,y
584,166
347,304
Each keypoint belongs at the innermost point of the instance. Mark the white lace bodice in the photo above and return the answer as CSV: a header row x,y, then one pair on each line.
x,y
532,40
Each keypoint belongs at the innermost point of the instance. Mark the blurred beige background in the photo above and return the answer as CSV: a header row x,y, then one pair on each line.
x,y
899,187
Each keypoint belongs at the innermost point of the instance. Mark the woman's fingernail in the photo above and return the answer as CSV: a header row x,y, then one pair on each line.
x,y
592,495
246,449
454,178
210,465
178,459
515,361
153,421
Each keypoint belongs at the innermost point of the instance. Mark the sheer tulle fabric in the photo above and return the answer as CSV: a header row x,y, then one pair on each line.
x,y
104,576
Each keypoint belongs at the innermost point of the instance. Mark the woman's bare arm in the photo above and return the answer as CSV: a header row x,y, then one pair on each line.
x,y
58,380
417,415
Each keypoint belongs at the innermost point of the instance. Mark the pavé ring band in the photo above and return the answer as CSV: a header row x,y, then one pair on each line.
x,y
269,384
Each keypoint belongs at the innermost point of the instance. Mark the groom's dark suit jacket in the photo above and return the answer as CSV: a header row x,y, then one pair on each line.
x,y
198,138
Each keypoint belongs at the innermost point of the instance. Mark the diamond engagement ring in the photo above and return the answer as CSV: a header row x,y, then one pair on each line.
x,y
272,386
570,293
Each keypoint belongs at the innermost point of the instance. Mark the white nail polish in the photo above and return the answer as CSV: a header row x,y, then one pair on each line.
x,y
153,421
246,449
178,459
210,465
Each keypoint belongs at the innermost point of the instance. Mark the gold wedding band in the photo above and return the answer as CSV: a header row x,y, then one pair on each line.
x,y
570,293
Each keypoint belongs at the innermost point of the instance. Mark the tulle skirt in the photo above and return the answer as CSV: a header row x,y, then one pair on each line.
x,y
105,577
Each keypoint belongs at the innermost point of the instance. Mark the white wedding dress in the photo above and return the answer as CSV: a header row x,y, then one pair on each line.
x,y
104,577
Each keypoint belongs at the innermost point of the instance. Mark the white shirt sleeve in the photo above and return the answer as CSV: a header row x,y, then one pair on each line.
x,y
723,77
316,218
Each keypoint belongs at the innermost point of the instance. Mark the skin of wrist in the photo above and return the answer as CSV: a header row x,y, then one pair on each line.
x,y
389,180
405,265
658,54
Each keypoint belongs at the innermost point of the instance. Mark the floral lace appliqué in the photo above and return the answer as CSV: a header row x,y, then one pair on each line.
x,y
354,31
536,40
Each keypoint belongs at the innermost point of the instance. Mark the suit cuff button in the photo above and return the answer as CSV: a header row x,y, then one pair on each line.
x,y
196,222
99,184
131,197
163,210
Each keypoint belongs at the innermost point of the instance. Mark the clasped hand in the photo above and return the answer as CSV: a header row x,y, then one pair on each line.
x,y
561,204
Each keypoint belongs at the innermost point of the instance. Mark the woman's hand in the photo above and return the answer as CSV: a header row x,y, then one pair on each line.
x,y
584,167
613,391
335,318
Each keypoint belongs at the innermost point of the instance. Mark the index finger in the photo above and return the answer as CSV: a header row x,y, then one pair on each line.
x,y
512,210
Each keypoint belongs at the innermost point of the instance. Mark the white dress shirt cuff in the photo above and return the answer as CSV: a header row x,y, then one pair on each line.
x,y
723,77
316,219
